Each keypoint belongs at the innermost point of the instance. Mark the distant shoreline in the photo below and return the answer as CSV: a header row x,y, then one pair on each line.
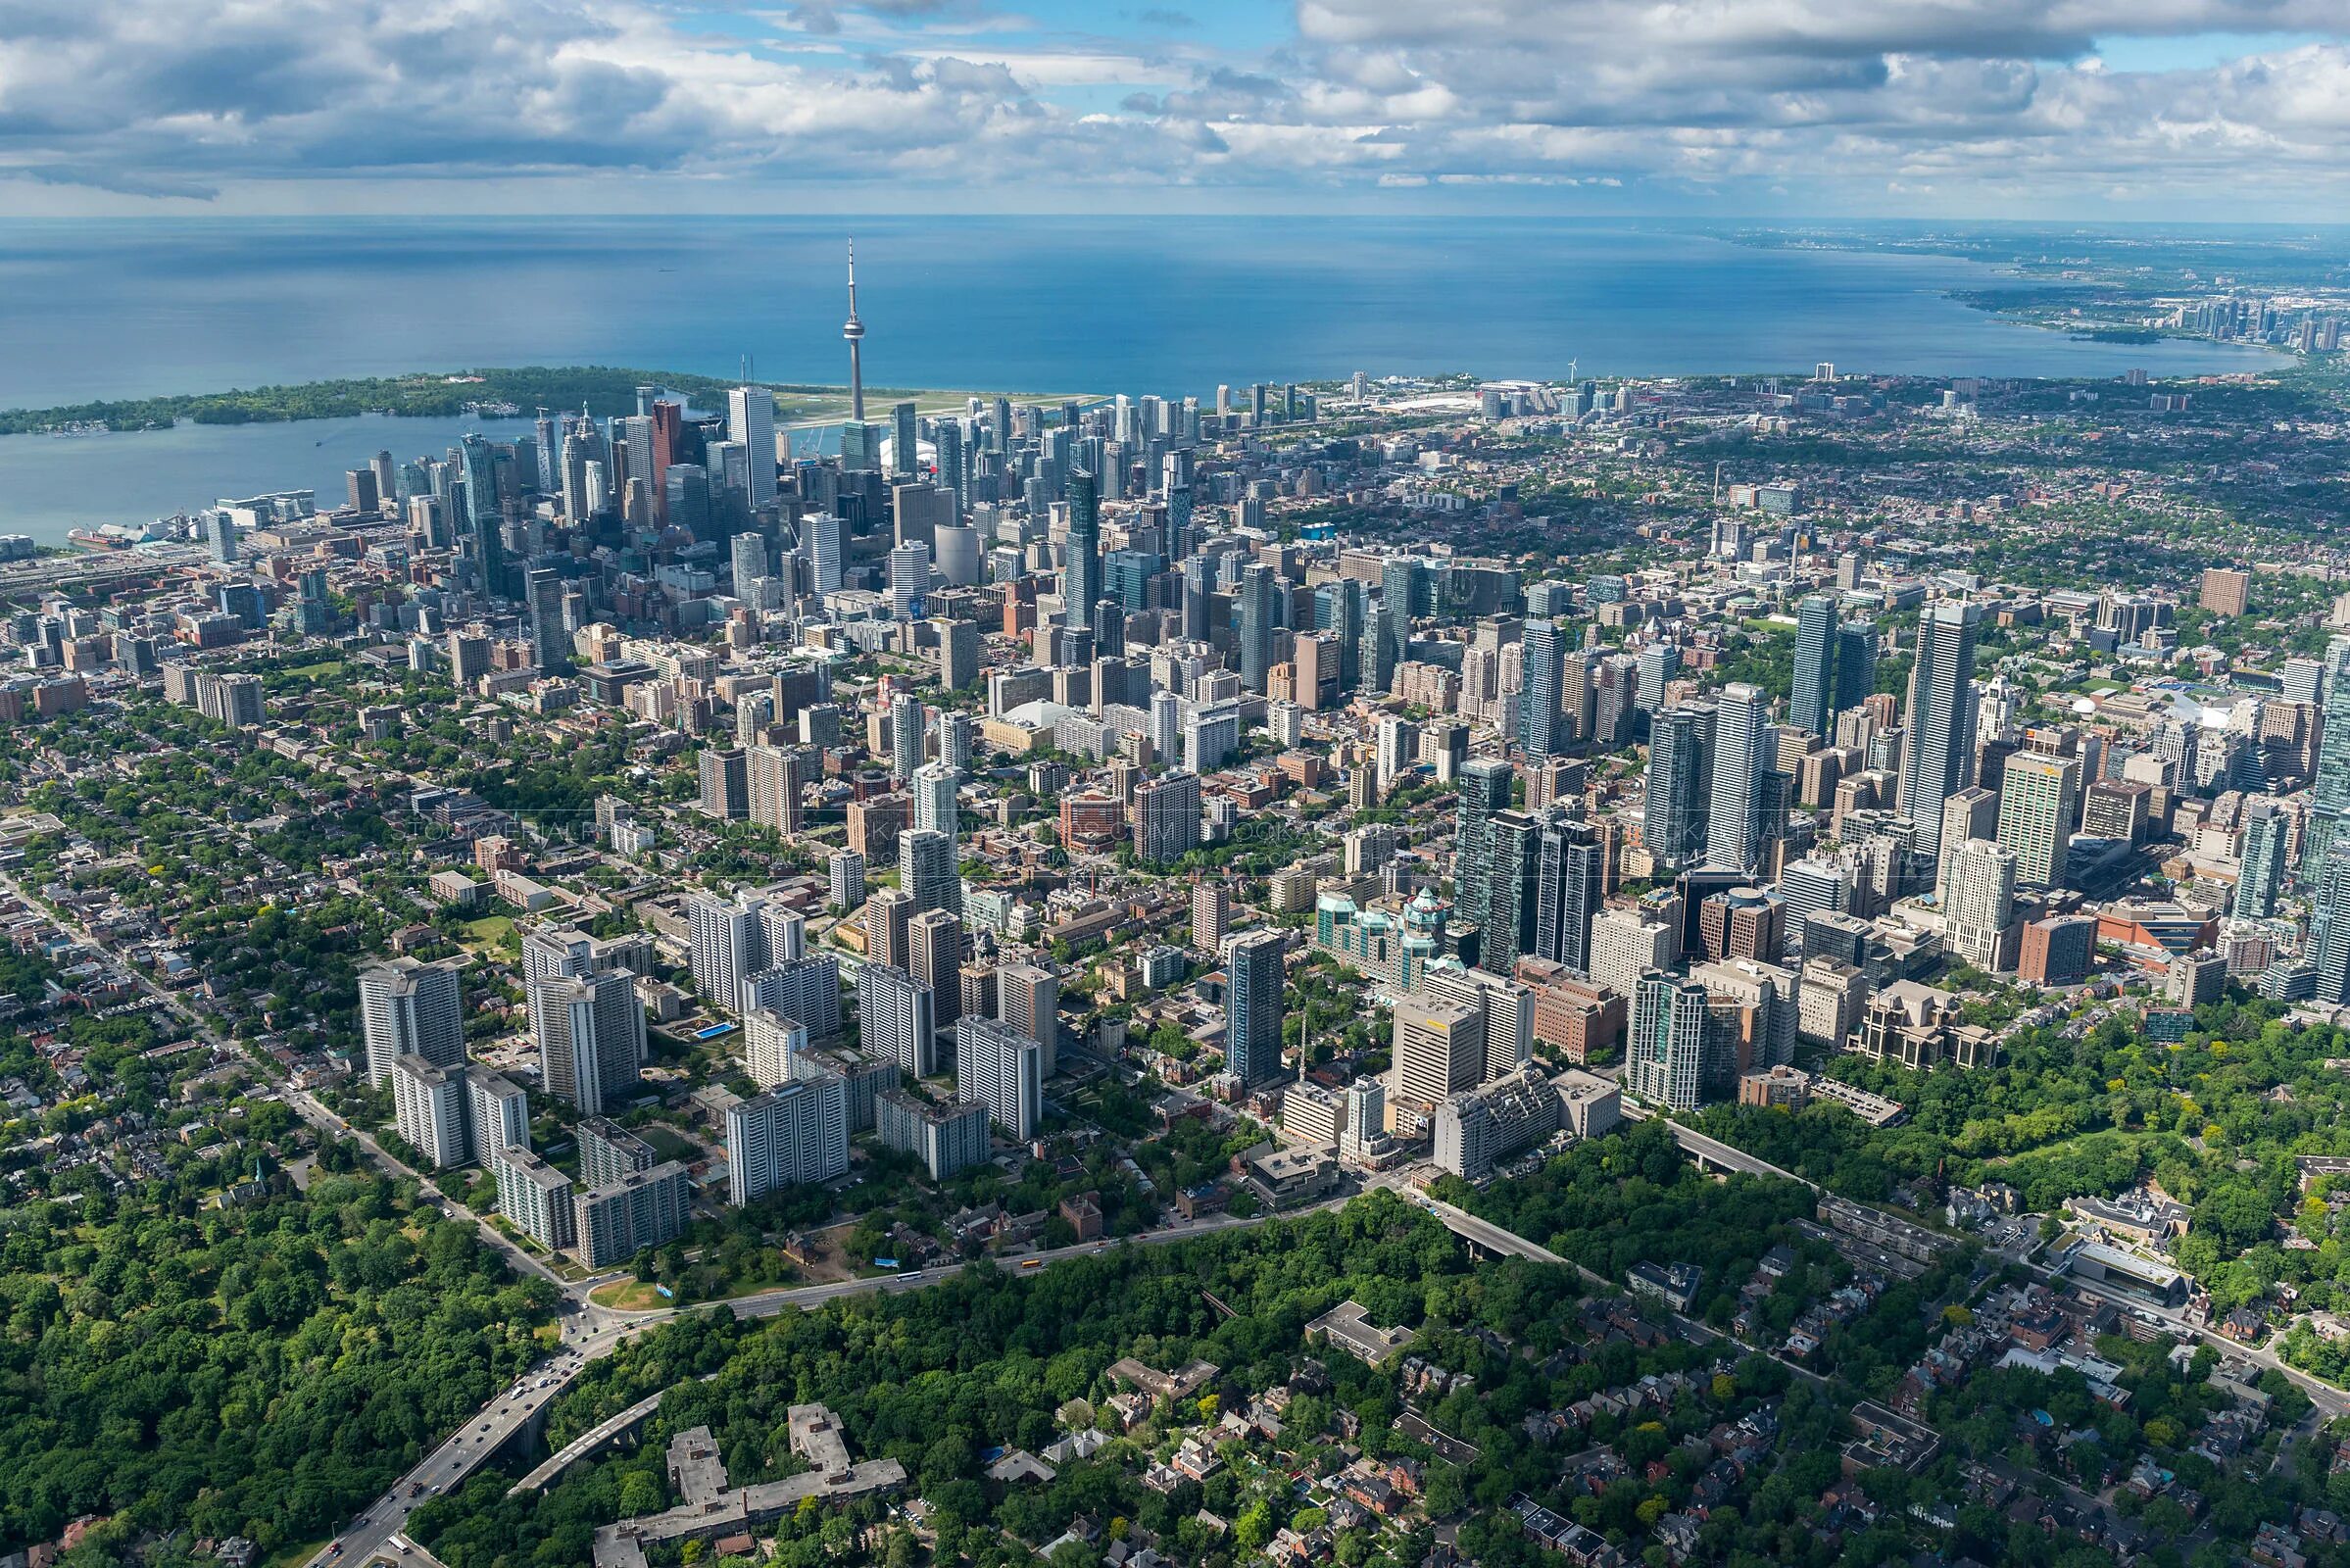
x,y
2036,291
605,391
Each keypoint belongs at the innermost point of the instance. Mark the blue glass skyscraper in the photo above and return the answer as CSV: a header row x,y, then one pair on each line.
x,y
2330,791
1812,702
1736,817
1541,724
1081,580
1258,583
1681,744
1939,740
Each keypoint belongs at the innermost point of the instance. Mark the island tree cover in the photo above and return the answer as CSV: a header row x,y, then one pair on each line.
x,y
263,1370
605,391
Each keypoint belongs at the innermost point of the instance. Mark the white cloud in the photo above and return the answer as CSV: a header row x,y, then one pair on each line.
x,y
1929,99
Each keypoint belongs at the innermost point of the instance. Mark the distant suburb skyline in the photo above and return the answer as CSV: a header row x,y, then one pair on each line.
x,y
2208,110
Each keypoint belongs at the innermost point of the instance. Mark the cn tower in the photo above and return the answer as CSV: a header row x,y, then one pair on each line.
x,y
855,331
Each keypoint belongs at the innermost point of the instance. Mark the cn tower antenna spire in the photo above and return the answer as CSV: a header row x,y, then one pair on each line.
x,y
855,333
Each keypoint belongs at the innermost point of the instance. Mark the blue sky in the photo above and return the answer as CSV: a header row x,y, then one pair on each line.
x,y
2195,51
2210,109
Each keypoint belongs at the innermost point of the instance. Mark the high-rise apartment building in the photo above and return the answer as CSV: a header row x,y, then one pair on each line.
x,y
1477,1128
1680,766
1259,584
1081,575
1970,814
770,1040
642,1209
1812,703
933,787
2260,873
1211,917
1166,818
1570,879
728,946
907,723
430,1108
609,1151
1402,589
934,941
844,879
500,1113
1755,1010
807,991
945,1139
1028,1003
775,779
1625,947
535,1197
1003,1071
794,1134
1541,719
1672,1037
2224,590
1485,793
725,783
408,1008
2329,789
1855,664
927,869
887,922
1979,902
893,1019
1252,996
591,1037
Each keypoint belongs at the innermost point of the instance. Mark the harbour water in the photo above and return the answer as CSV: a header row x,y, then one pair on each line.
x,y
141,308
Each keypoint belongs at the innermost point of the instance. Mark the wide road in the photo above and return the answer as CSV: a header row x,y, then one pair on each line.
x,y
1714,1151
593,1441
447,1466
1492,1237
